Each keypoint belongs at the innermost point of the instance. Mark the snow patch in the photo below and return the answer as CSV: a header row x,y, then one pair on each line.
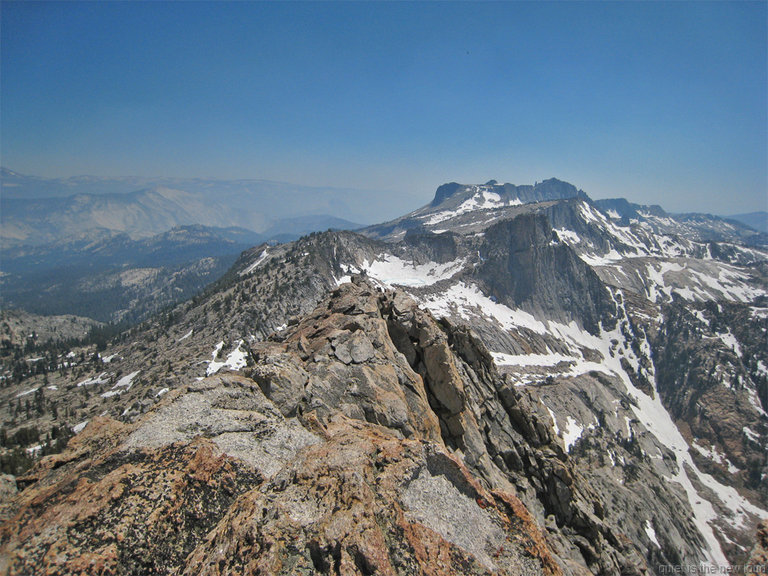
x,y
482,199
700,317
348,271
568,236
467,301
715,456
751,434
657,286
252,267
391,270
100,379
187,335
502,359
125,383
651,533
571,434
235,360
757,312
730,341
605,260
554,419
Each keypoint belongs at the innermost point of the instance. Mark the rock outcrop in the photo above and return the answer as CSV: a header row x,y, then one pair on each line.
x,y
366,439
758,559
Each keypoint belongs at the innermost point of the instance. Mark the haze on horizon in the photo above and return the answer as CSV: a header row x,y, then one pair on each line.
x,y
661,103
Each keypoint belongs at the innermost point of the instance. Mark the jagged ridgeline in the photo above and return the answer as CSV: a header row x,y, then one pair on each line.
x,y
509,380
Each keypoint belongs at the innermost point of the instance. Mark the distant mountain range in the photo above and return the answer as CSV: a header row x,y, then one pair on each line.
x,y
109,276
757,220
120,249
37,210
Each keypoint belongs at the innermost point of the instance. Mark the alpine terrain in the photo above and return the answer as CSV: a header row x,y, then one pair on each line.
x,y
509,380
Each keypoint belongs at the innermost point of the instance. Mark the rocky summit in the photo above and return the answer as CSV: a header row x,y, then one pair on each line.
x,y
335,453
509,380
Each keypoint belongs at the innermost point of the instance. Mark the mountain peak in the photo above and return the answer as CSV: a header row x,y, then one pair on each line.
x,y
554,189
550,189
446,191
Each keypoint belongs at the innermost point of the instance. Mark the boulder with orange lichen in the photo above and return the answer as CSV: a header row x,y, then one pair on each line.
x,y
368,502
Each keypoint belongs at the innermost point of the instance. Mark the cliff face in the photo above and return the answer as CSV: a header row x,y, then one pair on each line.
x,y
718,389
368,439
524,265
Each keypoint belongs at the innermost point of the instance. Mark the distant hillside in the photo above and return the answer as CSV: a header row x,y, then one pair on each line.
x,y
110,277
757,220
39,211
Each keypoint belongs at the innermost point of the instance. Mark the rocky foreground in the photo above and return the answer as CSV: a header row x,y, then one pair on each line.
x,y
367,439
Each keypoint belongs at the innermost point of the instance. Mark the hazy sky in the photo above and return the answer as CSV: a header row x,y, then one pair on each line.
x,y
658,102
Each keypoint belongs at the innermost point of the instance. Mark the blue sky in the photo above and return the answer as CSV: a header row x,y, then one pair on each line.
x,y
658,102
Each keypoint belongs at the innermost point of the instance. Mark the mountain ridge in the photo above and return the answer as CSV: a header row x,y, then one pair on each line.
x,y
38,210
454,203
757,220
